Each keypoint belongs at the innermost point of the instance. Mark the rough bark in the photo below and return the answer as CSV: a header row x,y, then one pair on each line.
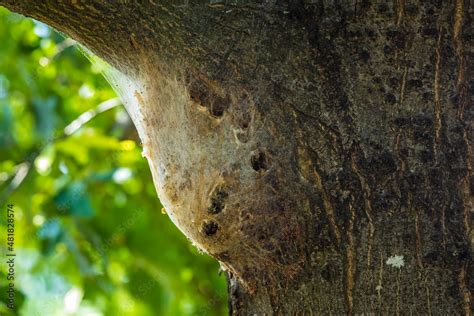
x,y
320,150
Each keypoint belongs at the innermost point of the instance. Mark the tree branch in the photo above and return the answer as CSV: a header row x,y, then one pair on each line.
x,y
101,26
123,33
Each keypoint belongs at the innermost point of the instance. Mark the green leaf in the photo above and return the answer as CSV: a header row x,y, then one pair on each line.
x,y
75,199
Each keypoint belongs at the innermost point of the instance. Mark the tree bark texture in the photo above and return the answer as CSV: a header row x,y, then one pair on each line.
x,y
320,150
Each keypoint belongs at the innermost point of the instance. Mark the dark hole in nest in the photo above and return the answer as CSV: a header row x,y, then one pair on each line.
x,y
243,120
217,201
198,93
206,95
210,228
259,161
219,105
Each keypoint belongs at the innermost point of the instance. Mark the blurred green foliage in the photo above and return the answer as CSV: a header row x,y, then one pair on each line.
x,y
90,235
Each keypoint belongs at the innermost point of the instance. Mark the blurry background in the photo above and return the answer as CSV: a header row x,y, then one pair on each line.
x,y
91,238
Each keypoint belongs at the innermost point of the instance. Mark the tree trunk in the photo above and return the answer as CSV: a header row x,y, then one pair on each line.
x,y
320,150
